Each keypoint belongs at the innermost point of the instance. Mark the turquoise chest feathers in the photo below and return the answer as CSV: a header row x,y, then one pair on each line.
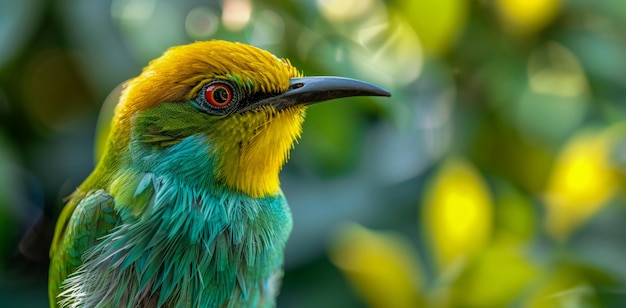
x,y
182,239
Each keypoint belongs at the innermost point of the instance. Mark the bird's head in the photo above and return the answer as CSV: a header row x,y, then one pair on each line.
x,y
248,103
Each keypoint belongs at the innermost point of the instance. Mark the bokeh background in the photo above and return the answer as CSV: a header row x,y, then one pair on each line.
x,y
493,177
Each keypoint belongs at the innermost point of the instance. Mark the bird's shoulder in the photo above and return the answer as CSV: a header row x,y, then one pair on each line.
x,y
86,218
90,212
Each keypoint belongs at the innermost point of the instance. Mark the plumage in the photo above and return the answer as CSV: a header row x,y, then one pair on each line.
x,y
184,209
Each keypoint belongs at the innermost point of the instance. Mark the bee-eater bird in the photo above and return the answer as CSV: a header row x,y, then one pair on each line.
x,y
184,208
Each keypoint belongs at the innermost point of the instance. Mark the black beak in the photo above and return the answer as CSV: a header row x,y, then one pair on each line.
x,y
311,90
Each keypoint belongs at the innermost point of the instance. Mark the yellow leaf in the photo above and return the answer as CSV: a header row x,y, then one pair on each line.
x,y
457,212
526,17
497,278
569,285
554,70
382,267
437,23
514,216
581,182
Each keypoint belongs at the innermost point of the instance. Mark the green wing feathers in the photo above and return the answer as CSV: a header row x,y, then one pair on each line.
x,y
81,225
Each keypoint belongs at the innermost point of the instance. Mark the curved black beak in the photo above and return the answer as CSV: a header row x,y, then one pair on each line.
x,y
311,90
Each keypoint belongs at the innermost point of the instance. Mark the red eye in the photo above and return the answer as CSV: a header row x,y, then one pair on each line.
x,y
219,94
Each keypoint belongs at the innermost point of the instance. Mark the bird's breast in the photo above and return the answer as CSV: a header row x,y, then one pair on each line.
x,y
190,245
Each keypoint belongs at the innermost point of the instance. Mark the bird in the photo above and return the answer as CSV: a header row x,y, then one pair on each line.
x,y
184,208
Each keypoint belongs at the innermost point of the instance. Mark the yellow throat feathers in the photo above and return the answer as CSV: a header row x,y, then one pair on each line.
x,y
250,162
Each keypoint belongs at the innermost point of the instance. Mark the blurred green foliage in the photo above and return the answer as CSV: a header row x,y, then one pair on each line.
x,y
493,177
